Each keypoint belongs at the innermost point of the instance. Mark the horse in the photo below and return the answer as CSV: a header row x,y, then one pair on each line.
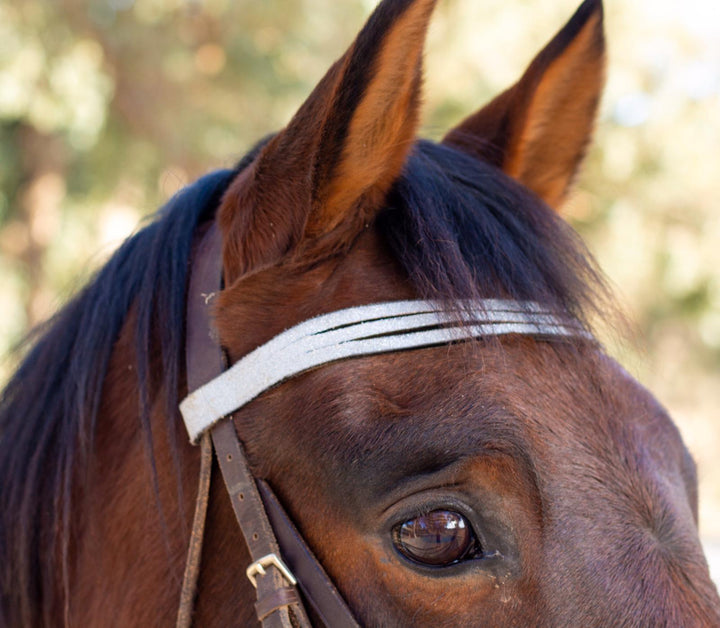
x,y
509,474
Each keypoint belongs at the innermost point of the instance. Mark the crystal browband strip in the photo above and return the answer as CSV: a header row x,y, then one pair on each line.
x,y
358,331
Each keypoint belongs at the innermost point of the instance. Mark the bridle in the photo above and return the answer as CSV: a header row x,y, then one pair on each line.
x,y
282,561
284,570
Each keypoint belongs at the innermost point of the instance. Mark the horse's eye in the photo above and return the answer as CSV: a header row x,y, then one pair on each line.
x,y
438,538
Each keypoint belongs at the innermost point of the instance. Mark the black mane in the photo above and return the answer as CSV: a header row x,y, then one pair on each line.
x,y
463,229
49,409
460,229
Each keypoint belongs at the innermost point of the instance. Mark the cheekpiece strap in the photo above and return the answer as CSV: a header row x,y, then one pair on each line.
x,y
360,331
279,604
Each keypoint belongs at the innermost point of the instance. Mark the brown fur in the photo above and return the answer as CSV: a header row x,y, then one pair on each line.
x,y
573,471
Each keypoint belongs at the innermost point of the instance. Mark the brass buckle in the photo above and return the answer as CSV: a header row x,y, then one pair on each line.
x,y
258,568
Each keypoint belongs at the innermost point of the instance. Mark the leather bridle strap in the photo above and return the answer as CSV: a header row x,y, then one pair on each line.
x,y
194,555
205,361
278,603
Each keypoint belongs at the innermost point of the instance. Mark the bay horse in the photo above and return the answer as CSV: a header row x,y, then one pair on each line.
x,y
511,476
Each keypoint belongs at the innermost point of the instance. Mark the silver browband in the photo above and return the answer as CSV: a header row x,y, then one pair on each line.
x,y
363,330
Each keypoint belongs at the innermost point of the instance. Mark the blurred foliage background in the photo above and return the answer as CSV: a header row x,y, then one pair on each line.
x,y
107,107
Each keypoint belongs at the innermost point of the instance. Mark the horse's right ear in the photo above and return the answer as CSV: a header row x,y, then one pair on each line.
x,y
538,130
318,183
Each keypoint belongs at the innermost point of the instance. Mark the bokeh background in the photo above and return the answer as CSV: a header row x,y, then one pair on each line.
x,y
107,107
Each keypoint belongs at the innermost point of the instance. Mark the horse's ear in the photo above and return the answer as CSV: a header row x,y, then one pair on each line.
x,y
320,180
538,130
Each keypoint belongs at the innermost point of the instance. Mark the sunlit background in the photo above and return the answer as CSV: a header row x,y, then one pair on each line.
x,y
107,107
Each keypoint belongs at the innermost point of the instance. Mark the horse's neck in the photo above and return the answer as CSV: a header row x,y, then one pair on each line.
x,y
128,553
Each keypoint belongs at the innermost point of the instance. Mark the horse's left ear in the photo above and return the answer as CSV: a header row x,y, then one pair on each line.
x,y
318,182
538,130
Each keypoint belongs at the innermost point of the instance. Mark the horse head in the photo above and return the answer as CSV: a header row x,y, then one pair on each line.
x,y
513,479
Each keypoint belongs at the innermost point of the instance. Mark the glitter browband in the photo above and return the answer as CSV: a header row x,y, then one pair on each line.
x,y
358,331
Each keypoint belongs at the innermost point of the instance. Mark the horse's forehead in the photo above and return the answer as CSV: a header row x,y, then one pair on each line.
x,y
549,411
525,386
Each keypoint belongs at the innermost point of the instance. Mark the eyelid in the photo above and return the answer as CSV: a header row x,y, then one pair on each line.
x,y
422,488
454,475
448,476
